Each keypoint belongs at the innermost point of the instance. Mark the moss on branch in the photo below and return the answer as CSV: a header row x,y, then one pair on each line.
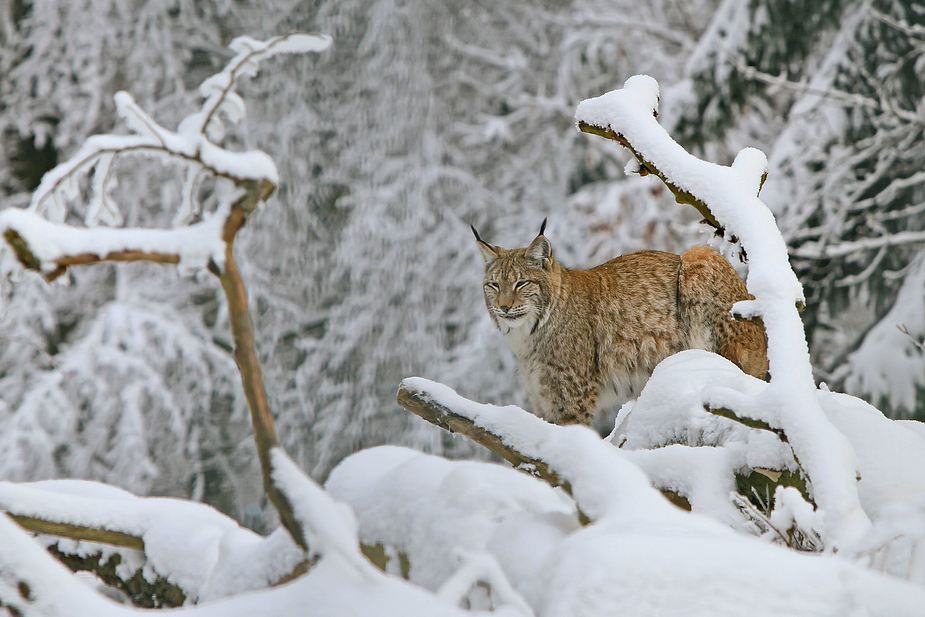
x,y
143,593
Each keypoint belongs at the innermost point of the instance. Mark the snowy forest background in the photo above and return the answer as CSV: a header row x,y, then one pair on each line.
x,y
422,118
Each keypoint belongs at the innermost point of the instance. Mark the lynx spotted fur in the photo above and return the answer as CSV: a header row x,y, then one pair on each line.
x,y
587,339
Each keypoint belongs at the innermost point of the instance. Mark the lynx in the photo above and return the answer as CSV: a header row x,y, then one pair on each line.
x,y
589,339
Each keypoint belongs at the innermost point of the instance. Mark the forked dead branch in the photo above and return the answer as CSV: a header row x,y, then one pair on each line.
x,y
51,247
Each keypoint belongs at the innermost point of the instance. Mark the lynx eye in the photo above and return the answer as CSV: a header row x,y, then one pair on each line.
x,y
492,285
521,284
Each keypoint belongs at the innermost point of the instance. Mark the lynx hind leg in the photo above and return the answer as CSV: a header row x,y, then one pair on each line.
x,y
708,286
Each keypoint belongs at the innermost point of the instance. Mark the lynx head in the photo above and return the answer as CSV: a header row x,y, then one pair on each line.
x,y
520,284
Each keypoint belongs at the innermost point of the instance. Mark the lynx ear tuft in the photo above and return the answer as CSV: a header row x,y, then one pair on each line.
x,y
543,226
540,251
489,253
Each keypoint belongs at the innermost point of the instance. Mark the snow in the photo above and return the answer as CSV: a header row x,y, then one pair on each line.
x,y
521,538
645,569
329,525
192,545
697,454
640,556
333,588
465,525
419,505
888,363
483,568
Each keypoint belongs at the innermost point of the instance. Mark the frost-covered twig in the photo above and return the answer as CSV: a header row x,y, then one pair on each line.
x,y
775,80
219,89
831,251
905,330
911,30
191,145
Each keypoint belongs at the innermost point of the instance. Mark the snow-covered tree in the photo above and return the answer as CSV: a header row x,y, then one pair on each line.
x,y
833,90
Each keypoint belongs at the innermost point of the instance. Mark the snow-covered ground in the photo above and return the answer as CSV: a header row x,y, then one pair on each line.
x,y
487,537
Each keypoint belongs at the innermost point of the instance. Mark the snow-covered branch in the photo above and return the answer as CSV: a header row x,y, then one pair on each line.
x,y
728,194
173,539
193,144
644,168
414,396
562,455
218,90
51,248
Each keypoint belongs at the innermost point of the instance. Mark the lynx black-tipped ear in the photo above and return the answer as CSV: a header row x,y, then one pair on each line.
x,y
543,226
489,253
540,251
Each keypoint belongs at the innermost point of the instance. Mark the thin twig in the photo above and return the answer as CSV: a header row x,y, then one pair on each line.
x,y
905,330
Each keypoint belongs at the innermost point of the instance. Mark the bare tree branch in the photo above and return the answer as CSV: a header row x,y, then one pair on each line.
x,y
419,403
78,532
245,354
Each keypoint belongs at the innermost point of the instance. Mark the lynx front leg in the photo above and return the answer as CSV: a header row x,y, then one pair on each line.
x,y
568,398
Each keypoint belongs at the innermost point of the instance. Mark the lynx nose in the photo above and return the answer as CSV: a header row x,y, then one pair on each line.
x,y
505,308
